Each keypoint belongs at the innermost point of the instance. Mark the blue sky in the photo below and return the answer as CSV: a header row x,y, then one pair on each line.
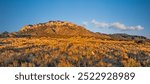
x,y
119,16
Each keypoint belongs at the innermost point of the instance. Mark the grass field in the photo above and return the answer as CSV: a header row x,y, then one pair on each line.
x,y
72,52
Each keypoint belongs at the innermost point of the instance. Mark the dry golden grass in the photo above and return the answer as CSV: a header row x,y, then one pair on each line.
x,y
73,51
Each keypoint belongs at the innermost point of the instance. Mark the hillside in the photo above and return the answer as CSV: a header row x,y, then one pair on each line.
x,y
127,37
55,28
64,44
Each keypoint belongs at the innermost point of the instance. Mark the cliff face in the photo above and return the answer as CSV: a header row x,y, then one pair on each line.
x,y
55,28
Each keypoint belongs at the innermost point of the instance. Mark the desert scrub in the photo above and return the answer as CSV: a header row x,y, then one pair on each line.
x,y
131,63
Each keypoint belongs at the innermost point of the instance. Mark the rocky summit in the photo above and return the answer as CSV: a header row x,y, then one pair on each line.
x,y
55,28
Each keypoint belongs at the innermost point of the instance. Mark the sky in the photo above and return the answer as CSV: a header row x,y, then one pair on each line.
x,y
104,16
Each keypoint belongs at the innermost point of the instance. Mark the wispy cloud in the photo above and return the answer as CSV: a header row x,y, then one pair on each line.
x,y
85,23
116,25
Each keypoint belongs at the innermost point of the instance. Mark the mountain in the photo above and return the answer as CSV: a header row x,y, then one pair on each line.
x,y
66,29
52,28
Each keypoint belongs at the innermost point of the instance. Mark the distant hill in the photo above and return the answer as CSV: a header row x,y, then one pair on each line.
x,y
66,29
123,36
55,28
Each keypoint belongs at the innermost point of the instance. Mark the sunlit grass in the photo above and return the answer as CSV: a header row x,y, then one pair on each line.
x,y
72,51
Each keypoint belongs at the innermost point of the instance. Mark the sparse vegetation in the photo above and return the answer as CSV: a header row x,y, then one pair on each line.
x,y
72,51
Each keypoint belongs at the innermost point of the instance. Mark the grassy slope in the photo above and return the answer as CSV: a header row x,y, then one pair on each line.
x,y
72,51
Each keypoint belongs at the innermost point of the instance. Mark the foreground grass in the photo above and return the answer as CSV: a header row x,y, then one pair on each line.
x,y
72,52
